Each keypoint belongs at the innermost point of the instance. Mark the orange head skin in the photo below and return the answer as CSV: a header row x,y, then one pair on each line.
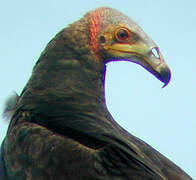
x,y
113,36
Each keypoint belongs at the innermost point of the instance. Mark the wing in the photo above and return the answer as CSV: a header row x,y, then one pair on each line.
x,y
32,151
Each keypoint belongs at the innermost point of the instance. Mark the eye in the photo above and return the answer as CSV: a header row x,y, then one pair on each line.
x,y
122,34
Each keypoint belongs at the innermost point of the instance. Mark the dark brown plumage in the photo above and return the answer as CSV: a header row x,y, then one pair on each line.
x,y
61,128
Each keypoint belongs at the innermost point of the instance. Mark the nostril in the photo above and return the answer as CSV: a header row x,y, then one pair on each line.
x,y
155,52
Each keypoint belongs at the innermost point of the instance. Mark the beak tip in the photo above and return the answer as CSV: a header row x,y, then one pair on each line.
x,y
165,74
165,85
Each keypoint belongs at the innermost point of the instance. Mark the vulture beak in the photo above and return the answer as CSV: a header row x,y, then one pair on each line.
x,y
145,53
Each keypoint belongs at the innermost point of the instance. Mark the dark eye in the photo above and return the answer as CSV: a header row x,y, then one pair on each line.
x,y
122,34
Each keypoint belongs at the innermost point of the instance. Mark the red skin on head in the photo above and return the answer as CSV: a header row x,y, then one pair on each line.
x,y
95,19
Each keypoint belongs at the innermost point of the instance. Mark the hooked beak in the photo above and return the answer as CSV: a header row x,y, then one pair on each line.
x,y
148,56
163,73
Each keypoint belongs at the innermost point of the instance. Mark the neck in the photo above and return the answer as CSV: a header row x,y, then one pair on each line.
x,y
66,91
63,83
69,99
67,82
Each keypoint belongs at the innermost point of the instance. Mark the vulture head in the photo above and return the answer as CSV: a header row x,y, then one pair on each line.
x,y
113,36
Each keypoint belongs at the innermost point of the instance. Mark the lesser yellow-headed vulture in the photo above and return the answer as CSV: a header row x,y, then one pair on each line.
x,y
61,128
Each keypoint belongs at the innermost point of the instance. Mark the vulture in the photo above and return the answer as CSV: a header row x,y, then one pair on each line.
x,y
60,127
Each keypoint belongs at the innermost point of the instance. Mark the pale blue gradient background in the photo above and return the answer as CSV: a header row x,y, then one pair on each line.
x,y
164,118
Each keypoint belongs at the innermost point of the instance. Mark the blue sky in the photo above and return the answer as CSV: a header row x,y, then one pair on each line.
x,y
164,118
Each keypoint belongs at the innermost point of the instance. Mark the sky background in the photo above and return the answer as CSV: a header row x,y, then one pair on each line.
x,y
164,118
